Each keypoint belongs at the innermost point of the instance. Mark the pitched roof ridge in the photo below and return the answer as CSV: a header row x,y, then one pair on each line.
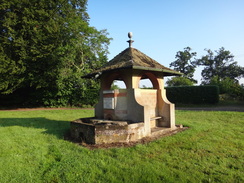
x,y
133,58
152,62
117,56
146,60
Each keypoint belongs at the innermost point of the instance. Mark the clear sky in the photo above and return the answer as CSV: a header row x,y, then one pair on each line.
x,y
163,27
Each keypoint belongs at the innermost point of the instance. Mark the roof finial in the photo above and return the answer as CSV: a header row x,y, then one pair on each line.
x,y
130,41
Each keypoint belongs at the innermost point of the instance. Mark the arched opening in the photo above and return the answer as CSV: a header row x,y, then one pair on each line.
x,y
118,84
145,84
113,81
148,81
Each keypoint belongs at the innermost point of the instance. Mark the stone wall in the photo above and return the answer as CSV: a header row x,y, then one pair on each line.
x,y
104,131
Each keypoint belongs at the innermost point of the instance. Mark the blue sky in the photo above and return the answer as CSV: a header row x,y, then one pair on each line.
x,y
163,27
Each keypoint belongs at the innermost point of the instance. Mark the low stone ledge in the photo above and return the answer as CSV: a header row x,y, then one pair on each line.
x,y
97,131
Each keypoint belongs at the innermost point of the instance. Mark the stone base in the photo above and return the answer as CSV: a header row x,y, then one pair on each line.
x,y
98,131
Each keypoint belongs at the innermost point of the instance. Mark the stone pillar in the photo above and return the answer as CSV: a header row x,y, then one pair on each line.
x,y
166,110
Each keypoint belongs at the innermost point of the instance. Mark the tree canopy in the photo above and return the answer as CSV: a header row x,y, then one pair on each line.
x,y
220,69
48,45
185,63
179,81
219,66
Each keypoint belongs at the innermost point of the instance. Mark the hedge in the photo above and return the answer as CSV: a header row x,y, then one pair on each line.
x,y
28,97
193,94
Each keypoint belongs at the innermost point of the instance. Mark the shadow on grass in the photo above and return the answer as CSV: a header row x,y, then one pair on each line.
x,y
52,127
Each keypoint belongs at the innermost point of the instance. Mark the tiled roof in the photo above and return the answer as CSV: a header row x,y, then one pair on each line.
x,y
133,58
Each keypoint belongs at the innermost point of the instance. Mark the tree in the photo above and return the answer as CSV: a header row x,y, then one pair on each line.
x,y
229,86
185,63
219,66
179,81
48,46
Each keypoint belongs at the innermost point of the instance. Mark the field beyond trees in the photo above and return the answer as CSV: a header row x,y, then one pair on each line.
x,y
33,150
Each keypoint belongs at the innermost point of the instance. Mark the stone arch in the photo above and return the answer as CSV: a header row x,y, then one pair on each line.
x,y
108,80
145,83
152,78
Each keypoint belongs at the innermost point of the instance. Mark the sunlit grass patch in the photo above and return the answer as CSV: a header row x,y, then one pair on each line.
x,y
33,150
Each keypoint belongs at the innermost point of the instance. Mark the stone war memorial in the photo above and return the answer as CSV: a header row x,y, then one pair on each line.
x,y
126,115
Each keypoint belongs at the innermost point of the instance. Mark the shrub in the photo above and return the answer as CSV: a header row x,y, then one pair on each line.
x,y
180,81
229,87
90,97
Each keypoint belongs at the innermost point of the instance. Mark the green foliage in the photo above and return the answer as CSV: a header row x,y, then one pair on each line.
x,y
229,86
114,85
179,81
219,69
33,150
193,94
90,97
47,46
220,66
185,63
27,97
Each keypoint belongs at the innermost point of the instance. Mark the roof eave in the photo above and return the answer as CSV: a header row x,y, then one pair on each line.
x,y
166,71
99,72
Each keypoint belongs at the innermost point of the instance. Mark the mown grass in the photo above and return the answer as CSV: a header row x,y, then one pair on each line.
x,y
32,149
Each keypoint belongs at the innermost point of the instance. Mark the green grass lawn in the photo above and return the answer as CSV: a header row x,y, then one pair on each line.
x,y
32,149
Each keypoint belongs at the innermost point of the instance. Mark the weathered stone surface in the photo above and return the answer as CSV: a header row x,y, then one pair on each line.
x,y
82,132
95,131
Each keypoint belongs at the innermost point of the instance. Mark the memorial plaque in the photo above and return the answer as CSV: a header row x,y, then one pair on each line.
x,y
108,103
